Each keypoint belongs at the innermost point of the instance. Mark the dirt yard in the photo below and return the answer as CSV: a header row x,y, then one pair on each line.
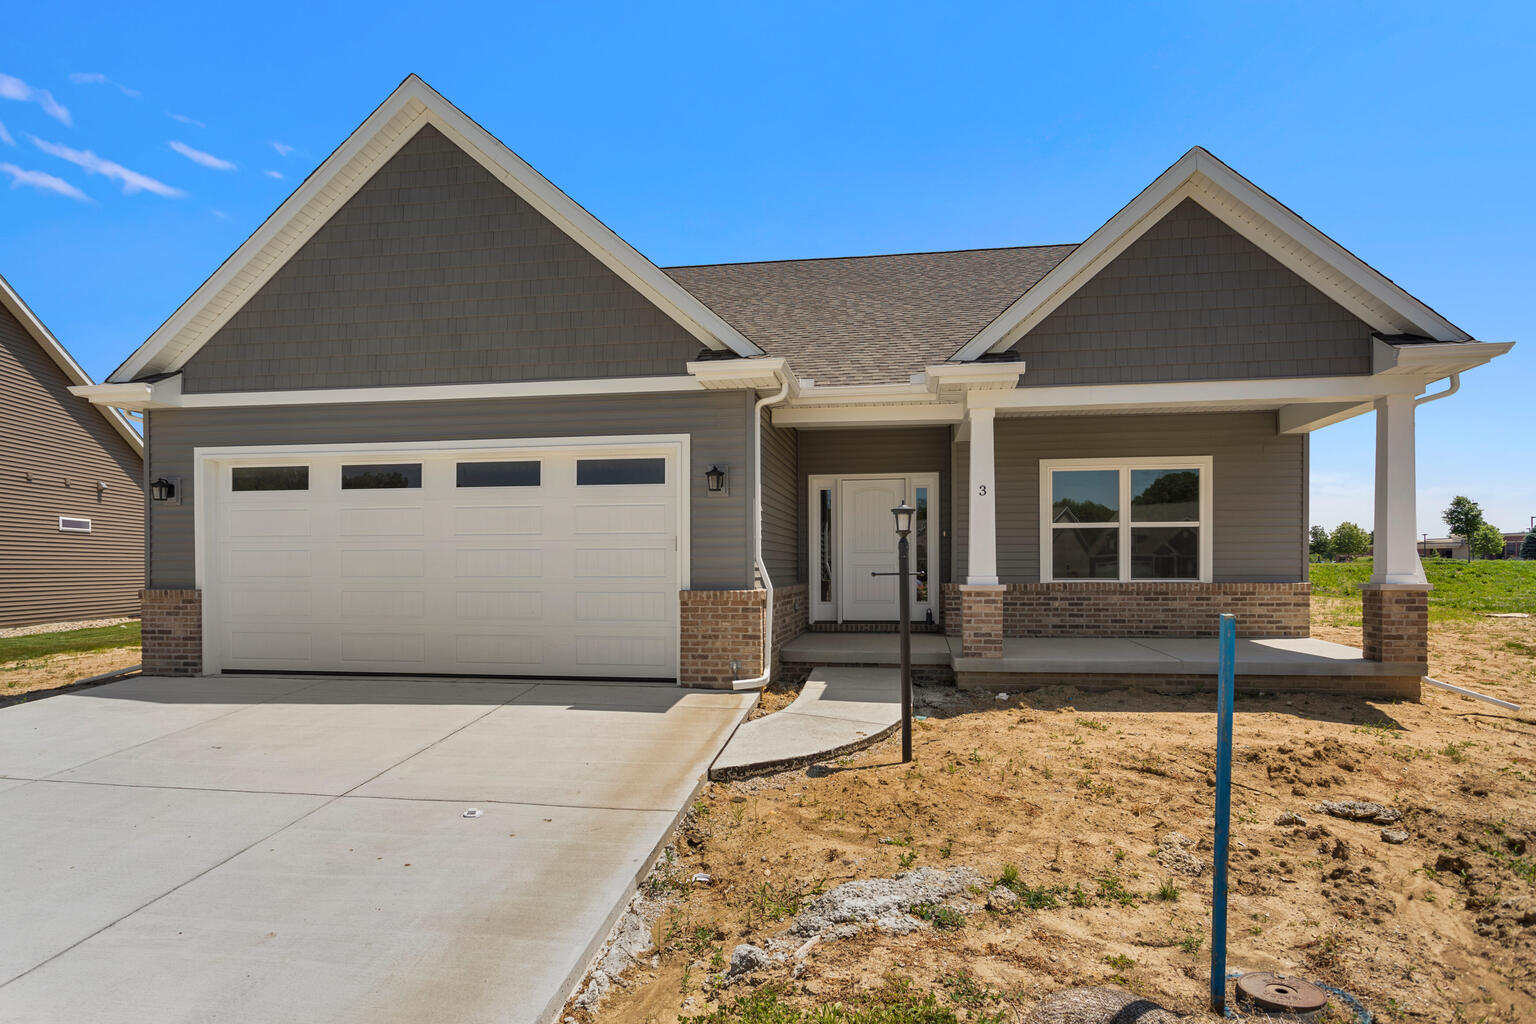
x,y
31,675
1067,796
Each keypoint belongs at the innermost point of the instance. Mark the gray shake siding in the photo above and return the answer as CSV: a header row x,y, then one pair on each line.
x,y
1259,479
719,423
436,273
895,450
1193,300
55,449
782,550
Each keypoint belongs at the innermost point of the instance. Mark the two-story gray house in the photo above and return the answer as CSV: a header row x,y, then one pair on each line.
x,y
434,417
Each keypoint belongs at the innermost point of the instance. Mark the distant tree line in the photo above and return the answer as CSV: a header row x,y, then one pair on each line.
x,y
1463,516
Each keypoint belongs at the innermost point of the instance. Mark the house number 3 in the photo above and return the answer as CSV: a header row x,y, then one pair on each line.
x,y
982,489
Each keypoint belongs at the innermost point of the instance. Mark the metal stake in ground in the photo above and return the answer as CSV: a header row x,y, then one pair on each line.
x,y
903,514
1225,698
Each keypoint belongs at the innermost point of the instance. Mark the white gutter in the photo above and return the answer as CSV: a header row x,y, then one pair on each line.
x,y
1447,393
758,682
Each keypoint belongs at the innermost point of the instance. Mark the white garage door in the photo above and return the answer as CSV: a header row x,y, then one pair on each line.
x,y
550,562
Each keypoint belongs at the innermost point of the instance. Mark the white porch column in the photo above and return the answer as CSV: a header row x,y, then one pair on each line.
x,y
981,567
1396,553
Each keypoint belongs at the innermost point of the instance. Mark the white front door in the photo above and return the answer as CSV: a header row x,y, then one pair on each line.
x,y
868,545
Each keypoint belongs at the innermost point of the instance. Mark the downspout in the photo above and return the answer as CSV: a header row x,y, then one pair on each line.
x,y
1455,381
758,682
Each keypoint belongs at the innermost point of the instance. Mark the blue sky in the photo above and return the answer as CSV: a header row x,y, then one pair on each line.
x,y
165,133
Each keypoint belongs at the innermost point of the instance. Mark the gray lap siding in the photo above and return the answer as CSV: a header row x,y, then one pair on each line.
x,y
1259,481
719,424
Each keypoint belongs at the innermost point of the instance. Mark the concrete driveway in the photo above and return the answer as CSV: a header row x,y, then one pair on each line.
x,y
262,848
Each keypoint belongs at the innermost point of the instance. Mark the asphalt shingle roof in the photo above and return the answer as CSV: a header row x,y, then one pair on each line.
x,y
869,319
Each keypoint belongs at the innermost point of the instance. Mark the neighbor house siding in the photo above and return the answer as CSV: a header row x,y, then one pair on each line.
x,y
56,448
435,272
781,505
1193,300
894,450
718,422
1259,480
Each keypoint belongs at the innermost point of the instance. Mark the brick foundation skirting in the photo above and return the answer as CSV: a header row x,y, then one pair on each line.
x,y
1372,687
981,621
791,617
1394,622
1145,609
718,627
172,632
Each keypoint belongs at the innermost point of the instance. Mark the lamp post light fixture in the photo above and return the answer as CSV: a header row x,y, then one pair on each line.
x,y
903,515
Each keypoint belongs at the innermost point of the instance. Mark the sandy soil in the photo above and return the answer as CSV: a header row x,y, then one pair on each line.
x,y
34,674
1076,790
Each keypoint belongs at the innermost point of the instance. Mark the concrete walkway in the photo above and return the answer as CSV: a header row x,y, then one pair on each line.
x,y
839,710
279,848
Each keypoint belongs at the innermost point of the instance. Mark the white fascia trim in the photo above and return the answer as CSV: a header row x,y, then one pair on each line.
x,y
66,362
946,378
1195,395
766,373
337,179
868,415
167,394
1332,268
1433,359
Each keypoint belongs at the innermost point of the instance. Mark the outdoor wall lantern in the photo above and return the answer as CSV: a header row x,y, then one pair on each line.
x,y
715,479
163,489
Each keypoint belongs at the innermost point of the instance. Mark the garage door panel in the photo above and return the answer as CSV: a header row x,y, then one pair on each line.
x,y
383,522
248,563
523,578
403,605
498,521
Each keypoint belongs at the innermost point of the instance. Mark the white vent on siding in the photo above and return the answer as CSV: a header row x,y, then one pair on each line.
x,y
74,524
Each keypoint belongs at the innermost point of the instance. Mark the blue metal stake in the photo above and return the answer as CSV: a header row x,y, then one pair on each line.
x,y
1225,688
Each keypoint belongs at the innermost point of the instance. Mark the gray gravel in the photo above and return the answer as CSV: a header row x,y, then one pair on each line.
x,y
61,627
1359,810
883,902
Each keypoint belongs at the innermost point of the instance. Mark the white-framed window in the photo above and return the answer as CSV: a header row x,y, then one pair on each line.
x,y
74,524
1143,519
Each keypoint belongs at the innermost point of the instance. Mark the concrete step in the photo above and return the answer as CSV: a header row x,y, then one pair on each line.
x,y
839,710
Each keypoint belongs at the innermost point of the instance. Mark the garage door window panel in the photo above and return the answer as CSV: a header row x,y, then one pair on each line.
x,y
269,478
380,477
610,472
498,474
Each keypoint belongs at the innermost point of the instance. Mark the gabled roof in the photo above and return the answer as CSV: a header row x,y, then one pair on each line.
x,y
44,337
1253,213
869,319
412,105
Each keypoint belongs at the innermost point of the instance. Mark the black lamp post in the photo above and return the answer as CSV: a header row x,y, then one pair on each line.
x,y
903,514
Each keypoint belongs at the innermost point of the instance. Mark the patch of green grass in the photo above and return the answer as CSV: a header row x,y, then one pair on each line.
x,y
1460,588
1191,943
896,1002
71,641
941,917
1111,888
1168,892
1092,723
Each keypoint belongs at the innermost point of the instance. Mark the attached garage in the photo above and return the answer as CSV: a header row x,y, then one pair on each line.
x,y
546,558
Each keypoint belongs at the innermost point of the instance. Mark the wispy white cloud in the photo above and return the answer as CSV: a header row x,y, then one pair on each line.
x,y
219,214
274,174
97,78
184,119
5,136
282,150
132,181
13,88
197,156
38,179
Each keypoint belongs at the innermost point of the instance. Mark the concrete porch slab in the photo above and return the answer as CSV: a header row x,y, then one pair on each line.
x,y
864,649
839,710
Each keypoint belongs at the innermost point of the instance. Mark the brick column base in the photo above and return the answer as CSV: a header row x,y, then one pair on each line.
x,y
981,621
1395,622
173,632
718,627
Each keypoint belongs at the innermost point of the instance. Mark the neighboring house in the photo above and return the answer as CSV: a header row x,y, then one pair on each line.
x,y
72,522
1456,547
434,417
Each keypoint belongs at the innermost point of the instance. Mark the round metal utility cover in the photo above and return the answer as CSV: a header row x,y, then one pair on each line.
x,y
1277,992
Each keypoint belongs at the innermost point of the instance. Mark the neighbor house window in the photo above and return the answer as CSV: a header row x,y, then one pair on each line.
x,y
74,524
497,474
269,478
381,477
1131,519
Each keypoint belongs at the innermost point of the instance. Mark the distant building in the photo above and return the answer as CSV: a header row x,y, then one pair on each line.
x,y
1456,547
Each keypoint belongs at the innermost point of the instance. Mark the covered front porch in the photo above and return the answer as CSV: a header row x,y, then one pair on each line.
x,y
1108,662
